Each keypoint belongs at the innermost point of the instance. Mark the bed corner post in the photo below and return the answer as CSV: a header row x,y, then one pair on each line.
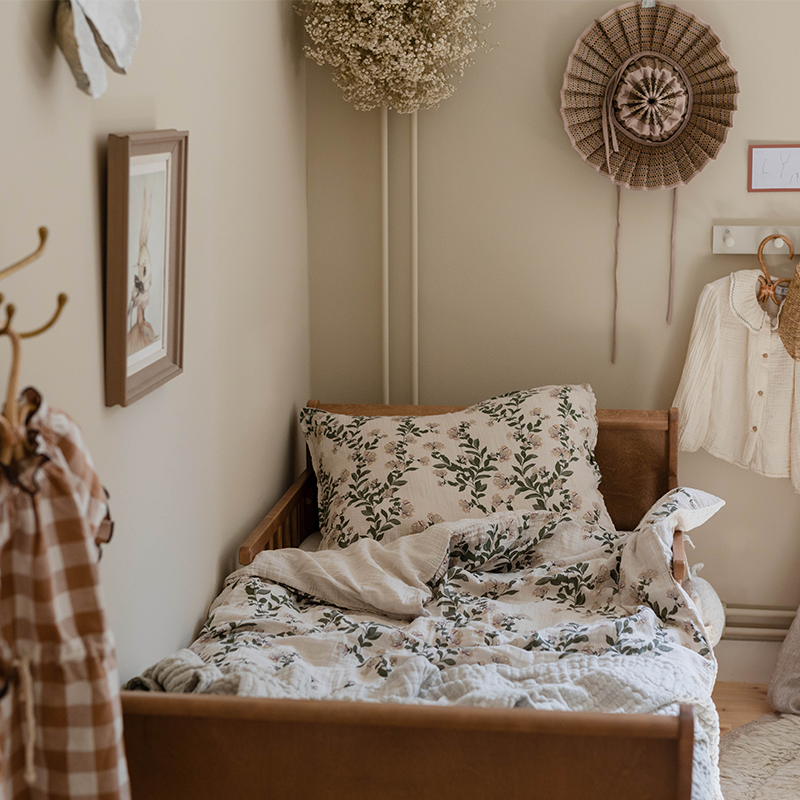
x,y
685,752
672,448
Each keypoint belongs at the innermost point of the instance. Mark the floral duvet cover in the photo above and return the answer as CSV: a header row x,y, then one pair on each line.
x,y
514,610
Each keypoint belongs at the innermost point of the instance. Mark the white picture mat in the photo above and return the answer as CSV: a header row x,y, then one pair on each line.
x,y
775,168
153,172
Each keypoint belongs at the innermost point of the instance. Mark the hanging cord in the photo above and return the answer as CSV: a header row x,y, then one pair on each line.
x,y
672,253
23,669
616,282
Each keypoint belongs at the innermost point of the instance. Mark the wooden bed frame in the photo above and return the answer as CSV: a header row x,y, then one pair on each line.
x,y
201,747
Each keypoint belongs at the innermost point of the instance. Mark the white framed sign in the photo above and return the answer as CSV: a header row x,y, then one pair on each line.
x,y
773,168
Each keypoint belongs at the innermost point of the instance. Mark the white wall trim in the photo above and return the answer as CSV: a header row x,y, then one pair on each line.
x,y
757,623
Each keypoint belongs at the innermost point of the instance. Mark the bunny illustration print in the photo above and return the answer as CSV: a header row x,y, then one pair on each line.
x,y
146,260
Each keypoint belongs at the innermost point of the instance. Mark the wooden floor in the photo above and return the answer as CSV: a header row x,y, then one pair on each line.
x,y
740,703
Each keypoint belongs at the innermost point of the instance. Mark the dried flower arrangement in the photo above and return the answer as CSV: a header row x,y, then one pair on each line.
x,y
398,53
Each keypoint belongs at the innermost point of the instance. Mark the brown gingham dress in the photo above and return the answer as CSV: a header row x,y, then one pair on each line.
x,y
60,717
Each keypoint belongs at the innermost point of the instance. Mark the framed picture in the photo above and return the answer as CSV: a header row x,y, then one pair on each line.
x,y
145,257
774,168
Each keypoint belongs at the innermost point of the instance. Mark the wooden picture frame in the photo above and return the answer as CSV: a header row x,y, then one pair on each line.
x,y
773,168
145,262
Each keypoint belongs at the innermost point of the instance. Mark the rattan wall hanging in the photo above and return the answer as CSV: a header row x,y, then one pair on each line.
x,y
647,100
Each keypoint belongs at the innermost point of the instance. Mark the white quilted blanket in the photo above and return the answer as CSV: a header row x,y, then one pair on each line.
x,y
517,610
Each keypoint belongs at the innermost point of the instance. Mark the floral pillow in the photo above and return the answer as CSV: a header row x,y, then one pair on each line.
x,y
387,477
683,509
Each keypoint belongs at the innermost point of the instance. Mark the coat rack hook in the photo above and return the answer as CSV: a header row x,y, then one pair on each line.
x,y
62,301
27,260
10,311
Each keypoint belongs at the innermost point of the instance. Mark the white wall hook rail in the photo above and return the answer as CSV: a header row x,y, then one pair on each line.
x,y
745,238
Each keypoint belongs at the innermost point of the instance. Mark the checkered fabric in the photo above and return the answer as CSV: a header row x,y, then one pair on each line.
x,y
60,719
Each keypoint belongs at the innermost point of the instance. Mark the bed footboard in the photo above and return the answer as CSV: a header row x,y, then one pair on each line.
x,y
202,747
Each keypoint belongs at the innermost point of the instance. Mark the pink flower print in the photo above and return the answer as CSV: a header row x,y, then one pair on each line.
x,y
503,454
500,480
534,440
375,432
555,431
429,446
575,501
390,447
452,433
434,519
406,509
466,506
343,476
497,501
370,457
554,393
418,526
424,461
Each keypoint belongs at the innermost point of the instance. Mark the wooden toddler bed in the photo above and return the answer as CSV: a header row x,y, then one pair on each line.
x,y
197,746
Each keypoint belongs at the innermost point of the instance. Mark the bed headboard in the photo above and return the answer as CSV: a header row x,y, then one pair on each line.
x,y
637,452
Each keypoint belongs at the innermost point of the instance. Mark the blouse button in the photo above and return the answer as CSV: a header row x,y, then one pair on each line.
x,y
766,355
754,428
760,393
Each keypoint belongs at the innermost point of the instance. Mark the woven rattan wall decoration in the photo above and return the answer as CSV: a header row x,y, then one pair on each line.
x,y
648,99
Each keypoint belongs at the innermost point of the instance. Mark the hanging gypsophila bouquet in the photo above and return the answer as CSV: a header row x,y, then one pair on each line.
x,y
404,54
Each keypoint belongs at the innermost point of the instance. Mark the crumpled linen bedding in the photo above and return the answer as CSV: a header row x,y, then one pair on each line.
x,y
522,609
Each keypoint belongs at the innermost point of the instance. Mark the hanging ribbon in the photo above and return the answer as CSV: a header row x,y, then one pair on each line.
x,y
672,253
616,282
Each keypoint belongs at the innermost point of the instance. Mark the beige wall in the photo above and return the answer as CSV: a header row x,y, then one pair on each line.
x,y
516,246
192,466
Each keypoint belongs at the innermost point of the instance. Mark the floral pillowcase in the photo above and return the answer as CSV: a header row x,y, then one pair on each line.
x,y
387,477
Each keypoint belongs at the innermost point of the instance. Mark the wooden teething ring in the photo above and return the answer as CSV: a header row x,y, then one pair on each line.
x,y
767,286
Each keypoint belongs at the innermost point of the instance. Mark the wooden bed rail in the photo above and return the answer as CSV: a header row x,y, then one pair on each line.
x,y
291,519
177,746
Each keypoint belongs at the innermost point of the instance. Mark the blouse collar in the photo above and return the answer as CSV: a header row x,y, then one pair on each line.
x,y
744,302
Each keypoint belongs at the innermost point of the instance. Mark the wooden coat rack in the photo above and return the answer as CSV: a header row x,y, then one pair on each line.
x,y
13,442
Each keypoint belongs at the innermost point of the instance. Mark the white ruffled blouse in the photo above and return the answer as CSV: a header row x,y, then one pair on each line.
x,y
739,395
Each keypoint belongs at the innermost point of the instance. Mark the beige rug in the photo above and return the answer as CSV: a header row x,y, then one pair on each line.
x,y
761,760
